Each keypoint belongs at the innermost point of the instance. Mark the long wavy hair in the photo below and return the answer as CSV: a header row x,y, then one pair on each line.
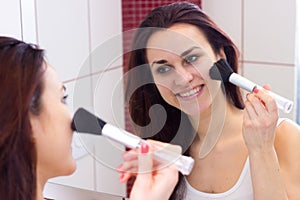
x,y
141,97
21,70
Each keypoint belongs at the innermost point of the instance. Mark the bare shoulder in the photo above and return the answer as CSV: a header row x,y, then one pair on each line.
x,y
287,142
287,146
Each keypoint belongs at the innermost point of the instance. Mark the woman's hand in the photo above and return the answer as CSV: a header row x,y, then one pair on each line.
x,y
260,119
152,181
153,184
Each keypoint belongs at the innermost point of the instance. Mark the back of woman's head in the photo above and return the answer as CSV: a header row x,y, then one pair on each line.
x,y
21,69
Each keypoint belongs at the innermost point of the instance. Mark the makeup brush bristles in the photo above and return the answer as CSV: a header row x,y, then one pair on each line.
x,y
221,70
86,122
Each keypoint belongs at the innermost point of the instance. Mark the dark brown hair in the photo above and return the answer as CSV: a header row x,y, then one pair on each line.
x,y
21,70
144,96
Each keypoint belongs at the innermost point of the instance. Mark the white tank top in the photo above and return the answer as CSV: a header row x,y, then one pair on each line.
x,y
242,190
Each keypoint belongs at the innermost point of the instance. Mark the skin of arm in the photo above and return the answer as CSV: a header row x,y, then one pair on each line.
x,y
287,143
274,153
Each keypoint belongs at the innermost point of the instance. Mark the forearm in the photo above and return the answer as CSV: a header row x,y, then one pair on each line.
x,y
266,176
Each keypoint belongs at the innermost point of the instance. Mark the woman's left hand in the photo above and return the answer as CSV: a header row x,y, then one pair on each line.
x,y
260,119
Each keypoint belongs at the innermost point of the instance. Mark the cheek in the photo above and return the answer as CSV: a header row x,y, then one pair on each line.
x,y
214,88
59,127
167,95
164,81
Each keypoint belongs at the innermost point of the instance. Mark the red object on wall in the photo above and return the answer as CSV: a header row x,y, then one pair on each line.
x,y
133,12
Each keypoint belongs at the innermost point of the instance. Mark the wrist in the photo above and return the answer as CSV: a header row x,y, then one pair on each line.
x,y
262,150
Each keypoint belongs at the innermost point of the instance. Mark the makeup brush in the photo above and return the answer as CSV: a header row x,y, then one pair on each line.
x,y
222,71
86,122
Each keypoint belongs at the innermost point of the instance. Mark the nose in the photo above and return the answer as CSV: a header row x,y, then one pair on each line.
x,y
184,76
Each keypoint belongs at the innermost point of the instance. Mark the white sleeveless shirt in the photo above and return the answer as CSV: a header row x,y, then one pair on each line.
x,y
242,190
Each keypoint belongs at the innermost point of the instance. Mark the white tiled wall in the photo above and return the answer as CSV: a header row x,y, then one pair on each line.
x,y
63,30
265,33
83,43
29,33
227,14
269,33
10,18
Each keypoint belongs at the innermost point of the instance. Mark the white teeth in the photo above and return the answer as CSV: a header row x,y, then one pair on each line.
x,y
190,93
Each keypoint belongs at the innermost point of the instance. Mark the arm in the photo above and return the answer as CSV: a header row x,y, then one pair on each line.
x,y
259,127
287,146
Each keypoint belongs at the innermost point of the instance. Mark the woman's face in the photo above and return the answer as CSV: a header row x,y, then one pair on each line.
x,y
52,130
180,58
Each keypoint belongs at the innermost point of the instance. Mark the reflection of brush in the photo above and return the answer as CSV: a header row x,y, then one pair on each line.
x,y
86,122
222,71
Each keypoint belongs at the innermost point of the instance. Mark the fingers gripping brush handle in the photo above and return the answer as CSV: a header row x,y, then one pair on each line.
x,y
86,122
222,71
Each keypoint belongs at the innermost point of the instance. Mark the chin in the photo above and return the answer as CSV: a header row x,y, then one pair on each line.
x,y
72,168
194,110
69,168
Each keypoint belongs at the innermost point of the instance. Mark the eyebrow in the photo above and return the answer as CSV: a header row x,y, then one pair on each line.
x,y
189,51
181,55
159,62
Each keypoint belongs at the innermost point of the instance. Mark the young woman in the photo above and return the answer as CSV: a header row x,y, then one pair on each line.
x,y
31,139
241,149
35,127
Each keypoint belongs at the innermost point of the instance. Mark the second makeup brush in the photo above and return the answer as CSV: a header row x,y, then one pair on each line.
x,y
222,71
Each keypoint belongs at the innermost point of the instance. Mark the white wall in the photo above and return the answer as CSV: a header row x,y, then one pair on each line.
x,y
83,43
265,32
10,18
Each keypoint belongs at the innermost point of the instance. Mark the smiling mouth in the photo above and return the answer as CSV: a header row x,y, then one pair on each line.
x,y
191,93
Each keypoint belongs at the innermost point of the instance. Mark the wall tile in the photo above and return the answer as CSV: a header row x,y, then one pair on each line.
x,y
107,158
107,55
28,21
108,96
102,28
228,15
282,80
64,32
10,19
270,31
108,104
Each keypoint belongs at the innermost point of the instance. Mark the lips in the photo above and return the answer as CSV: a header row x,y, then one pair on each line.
x,y
191,93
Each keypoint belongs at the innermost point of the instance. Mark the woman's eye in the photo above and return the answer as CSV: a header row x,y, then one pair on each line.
x,y
64,99
163,69
191,59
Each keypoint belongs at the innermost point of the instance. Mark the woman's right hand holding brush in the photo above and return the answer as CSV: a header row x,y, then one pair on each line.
x,y
152,181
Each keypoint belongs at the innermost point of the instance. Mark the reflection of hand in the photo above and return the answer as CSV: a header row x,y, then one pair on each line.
x,y
152,184
130,165
260,119
152,181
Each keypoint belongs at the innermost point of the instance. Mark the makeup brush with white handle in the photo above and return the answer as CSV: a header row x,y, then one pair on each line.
x,y
86,122
222,71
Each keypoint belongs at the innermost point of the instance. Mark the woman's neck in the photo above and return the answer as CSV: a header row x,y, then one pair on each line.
x,y
39,192
216,122
41,181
